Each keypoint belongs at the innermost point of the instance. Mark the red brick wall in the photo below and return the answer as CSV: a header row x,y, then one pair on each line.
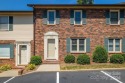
x,y
95,29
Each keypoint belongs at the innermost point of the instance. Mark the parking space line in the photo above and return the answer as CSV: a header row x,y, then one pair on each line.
x,y
57,77
111,77
9,80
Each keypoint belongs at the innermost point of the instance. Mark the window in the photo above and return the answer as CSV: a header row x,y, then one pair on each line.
x,y
51,16
5,51
114,17
77,45
114,45
4,23
78,17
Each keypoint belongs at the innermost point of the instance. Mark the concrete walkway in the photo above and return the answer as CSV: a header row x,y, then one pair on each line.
x,y
48,67
10,73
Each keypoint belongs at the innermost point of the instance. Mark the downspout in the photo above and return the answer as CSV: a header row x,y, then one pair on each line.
x,y
34,23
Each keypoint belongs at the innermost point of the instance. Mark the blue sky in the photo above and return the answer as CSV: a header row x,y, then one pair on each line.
x,y
74,1
21,5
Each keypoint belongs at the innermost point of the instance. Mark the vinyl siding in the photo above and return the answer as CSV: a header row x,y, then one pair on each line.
x,y
22,29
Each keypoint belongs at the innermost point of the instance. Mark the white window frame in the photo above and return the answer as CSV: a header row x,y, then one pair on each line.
x,y
118,16
5,57
114,47
48,17
8,25
77,46
74,17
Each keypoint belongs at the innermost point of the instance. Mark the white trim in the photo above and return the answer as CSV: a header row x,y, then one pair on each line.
x,y
77,46
50,35
28,52
118,16
74,16
48,17
7,24
114,47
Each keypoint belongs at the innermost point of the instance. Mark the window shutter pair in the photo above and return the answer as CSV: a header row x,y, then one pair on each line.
x,y
107,15
68,45
72,17
45,17
106,44
10,23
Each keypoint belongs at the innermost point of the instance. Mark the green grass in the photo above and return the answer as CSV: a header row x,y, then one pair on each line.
x,y
92,66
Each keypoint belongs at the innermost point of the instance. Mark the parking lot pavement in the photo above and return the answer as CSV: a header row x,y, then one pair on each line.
x,y
116,76
3,79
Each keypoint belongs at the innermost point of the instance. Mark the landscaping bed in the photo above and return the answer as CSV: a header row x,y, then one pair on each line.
x,y
75,66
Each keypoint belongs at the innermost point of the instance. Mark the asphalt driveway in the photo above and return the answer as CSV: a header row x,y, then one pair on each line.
x,y
109,76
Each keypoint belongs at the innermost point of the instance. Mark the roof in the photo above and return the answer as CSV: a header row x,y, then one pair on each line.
x,y
15,5
63,6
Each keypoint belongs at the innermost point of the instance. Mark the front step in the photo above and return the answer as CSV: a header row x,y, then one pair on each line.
x,y
50,62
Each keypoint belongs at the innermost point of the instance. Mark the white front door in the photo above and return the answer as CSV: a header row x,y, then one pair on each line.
x,y
51,49
23,54
51,46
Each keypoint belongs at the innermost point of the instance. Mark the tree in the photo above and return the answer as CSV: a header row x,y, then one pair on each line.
x,y
85,1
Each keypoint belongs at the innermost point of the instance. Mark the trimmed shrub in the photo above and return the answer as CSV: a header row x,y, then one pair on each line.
x,y
100,55
83,59
69,59
123,56
5,67
117,58
31,67
36,60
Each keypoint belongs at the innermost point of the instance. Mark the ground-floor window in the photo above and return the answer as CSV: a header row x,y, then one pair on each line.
x,y
114,45
78,45
5,51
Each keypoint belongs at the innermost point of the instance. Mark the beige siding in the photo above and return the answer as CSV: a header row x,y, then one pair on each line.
x,y
22,29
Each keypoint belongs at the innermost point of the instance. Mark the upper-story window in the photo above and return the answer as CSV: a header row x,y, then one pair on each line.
x,y
4,22
51,15
114,17
78,17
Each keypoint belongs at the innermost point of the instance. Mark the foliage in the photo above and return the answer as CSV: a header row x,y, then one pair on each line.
x,y
69,59
123,56
5,67
83,59
36,60
31,67
85,1
100,55
117,58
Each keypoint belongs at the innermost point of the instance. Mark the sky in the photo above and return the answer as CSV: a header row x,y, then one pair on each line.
x,y
74,1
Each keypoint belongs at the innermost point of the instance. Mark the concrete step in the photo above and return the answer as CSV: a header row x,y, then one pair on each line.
x,y
50,62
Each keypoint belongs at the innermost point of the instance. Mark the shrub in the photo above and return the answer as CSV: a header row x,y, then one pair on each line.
x,y
100,55
69,59
31,67
123,56
83,59
5,67
36,60
117,58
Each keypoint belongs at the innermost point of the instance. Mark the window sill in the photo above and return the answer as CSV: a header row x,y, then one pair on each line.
x,y
114,52
51,24
77,52
4,30
5,58
114,24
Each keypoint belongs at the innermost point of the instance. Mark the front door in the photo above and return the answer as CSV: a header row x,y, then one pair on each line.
x,y
51,49
23,54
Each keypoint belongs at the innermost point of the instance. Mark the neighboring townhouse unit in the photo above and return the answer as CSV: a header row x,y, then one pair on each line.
x,y
16,34
77,29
